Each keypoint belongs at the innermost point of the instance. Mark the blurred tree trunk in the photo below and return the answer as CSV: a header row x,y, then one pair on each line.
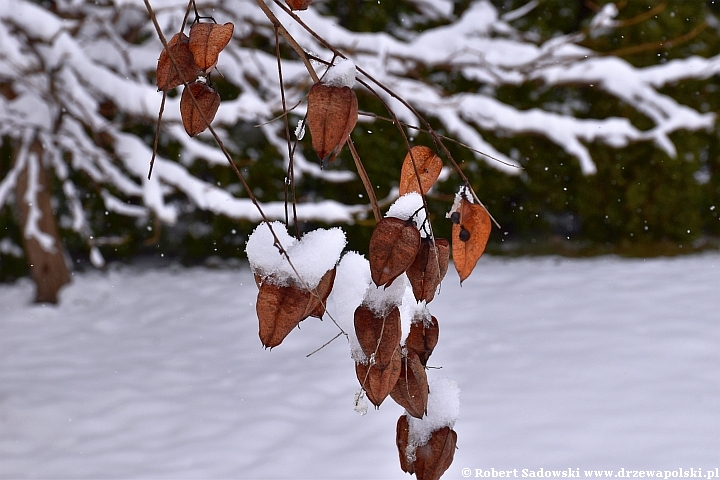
x,y
48,267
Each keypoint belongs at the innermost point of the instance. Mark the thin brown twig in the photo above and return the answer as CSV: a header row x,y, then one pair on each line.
x,y
278,117
365,180
412,127
662,45
289,38
191,3
643,16
157,135
324,344
407,125
444,137
291,150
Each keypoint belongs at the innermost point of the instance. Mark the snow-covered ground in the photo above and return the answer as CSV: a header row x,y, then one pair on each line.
x,y
601,363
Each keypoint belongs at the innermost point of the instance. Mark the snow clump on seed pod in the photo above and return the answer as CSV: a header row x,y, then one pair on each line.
x,y
312,256
340,74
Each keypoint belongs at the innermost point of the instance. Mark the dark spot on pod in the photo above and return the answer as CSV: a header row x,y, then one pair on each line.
x,y
464,234
455,217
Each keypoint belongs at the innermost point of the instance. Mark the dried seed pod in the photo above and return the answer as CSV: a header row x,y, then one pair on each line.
x,y
378,336
411,389
379,382
208,102
469,237
428,167
401,440
316,307
393,247
279,310
331,115
435,457
298,4
429,268
423,338
167,76
207,40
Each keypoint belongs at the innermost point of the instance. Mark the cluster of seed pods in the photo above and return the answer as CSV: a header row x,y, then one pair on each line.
x,y
396,247
189,61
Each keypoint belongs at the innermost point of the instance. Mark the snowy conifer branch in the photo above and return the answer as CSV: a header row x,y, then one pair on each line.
x,y
484,48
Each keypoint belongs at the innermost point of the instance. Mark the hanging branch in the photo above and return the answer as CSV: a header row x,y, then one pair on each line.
x,y
291,149
243,181
386,89
157,135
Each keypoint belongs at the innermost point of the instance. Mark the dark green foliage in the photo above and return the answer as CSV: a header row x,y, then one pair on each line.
x,y
11,265
550,17
370,15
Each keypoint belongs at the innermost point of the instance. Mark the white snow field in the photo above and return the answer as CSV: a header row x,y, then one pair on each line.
x,y
586,364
